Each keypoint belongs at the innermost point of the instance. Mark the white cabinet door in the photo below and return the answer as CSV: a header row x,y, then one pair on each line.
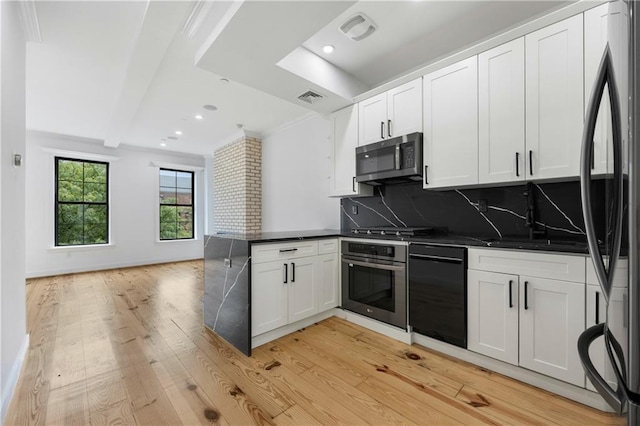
x,y
492,320
268,297
451,125
344,140
404,109
303,282
554,99
595,39
373,119
552,315
501,113
617,323
328,286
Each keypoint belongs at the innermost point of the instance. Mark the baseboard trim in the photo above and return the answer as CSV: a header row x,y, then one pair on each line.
x,y
96,268
12,380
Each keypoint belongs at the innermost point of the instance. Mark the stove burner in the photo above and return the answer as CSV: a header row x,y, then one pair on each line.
x,y
400,232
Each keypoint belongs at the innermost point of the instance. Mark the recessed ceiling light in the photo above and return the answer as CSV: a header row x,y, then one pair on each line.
x,y
210,107
328,48
173,138
163,144
199,116
178,132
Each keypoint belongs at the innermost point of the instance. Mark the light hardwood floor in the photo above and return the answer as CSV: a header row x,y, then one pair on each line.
x,y
127,346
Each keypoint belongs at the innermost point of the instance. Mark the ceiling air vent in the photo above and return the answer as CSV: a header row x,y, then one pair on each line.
x,y
358,27
310,97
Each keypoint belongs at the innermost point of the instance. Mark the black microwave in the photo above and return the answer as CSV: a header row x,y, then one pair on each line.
x,y
393,160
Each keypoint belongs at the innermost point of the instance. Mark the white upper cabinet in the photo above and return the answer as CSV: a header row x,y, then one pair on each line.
x,y
554,99
396,112
344,140
501,113
451,125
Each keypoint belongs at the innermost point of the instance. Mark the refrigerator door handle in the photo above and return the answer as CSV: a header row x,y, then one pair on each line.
x,y
615,398
604,77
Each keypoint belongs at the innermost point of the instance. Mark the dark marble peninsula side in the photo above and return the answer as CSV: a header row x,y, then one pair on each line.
x,y
227,281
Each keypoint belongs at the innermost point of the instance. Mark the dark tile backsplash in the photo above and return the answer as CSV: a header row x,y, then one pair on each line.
x,y
558,206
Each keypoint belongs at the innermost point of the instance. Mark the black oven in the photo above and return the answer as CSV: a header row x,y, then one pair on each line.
x,y
393,160
374,281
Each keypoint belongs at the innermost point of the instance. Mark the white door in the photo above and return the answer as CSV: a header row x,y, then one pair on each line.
x,y
328,287
344,140
554,100
268,296
501,152
451,125
492,315
617,323
373,119
552,317
404,109
303,280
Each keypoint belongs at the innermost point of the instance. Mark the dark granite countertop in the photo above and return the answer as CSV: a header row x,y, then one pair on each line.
x,y
562,246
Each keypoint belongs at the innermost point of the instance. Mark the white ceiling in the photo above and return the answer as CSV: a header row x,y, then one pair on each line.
x,y
133,73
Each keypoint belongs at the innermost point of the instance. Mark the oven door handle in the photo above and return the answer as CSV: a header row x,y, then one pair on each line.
x,y
374,265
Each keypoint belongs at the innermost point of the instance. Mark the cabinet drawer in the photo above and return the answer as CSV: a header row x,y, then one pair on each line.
x,y
621,277
279,251
542,265
328,246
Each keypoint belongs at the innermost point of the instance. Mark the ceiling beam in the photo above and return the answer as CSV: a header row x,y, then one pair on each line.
x,y
162,20
29,19
197,15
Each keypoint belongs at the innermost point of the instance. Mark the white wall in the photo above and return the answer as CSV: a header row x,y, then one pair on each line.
x,y
295,178
133,208
13,329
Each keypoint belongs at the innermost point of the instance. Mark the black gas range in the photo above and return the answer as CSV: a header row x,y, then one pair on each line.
x,y
401,231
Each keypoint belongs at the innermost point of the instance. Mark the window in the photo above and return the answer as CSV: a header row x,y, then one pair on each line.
x,y
82,209
176,204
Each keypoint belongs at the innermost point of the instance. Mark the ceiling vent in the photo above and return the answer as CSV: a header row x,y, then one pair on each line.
x,y
358,27
310,97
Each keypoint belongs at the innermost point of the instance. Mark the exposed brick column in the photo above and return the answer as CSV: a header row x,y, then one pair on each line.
x,y
237,186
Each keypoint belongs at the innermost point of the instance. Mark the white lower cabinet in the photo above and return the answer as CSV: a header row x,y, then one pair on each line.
x,y
294,287
525,320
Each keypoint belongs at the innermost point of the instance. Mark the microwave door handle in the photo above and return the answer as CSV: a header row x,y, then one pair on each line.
x,y
397,156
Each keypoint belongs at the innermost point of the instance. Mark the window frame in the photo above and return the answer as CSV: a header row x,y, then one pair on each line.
x,y
192,205
57,202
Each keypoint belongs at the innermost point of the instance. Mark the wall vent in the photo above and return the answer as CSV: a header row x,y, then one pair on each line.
x,y
358,27
310,97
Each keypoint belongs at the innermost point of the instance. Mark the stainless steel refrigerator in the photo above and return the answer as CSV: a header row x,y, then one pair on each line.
x,y
615,97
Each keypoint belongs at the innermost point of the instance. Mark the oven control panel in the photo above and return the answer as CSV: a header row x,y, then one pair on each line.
x,y
372,249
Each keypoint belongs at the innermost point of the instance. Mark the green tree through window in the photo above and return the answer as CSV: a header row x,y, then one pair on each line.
x,y
82,209
176,204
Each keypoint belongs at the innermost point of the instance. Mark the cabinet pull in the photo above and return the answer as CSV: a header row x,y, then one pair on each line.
x,y
526,298
382,130
426,181
389,127
531,162
353,184
597,307
285,269
593,158
625,311
510,293
517,164
293,272
288,250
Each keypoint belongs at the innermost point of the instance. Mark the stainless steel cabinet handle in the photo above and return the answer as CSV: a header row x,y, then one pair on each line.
x,y
510,294
389,127
285,271
353,184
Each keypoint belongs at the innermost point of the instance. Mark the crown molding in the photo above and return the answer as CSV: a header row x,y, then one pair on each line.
x,y
197,14
29,19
